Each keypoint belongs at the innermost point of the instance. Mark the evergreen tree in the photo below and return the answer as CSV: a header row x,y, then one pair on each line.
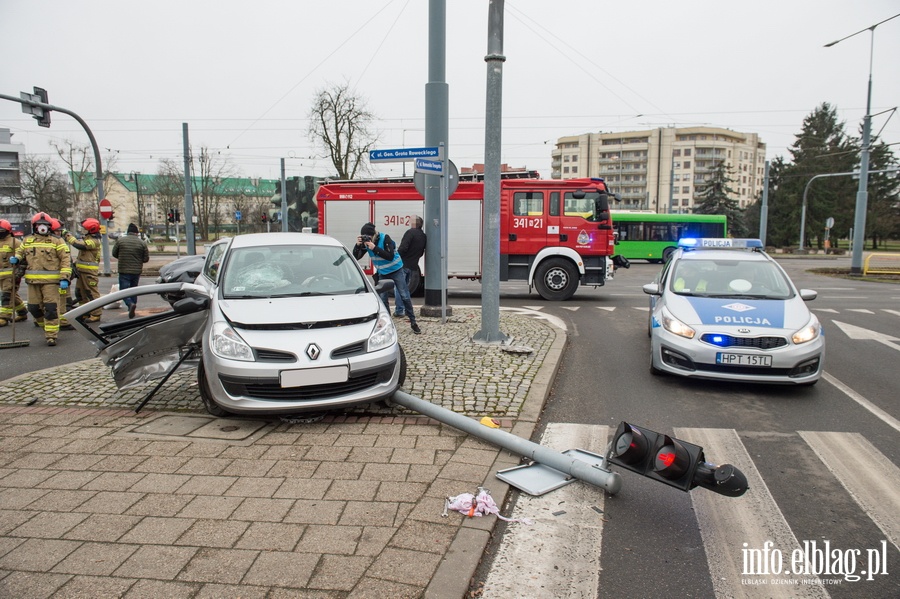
x,y
883,205
716,196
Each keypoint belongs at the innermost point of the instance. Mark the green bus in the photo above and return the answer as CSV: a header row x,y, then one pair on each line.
x,y
646,235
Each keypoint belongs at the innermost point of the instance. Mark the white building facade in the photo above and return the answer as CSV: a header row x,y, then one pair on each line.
x,y
661,169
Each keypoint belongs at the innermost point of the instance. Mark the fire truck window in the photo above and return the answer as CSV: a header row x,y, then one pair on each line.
x,y
581,205
528,203
554,203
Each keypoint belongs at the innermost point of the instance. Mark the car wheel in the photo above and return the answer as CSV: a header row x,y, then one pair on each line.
x,y
556,279
208,402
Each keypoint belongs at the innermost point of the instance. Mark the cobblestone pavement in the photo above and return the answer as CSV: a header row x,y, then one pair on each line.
x,y
97,501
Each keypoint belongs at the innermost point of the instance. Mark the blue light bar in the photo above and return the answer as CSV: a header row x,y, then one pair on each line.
x,y
717,243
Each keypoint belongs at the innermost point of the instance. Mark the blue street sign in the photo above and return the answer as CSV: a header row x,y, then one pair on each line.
x,y
431,167
404,154
237,215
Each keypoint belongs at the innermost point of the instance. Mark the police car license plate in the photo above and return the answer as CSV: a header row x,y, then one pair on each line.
x,y
314,376
743,360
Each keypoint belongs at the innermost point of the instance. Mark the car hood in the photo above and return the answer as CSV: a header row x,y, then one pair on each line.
x,y
294,310
732,311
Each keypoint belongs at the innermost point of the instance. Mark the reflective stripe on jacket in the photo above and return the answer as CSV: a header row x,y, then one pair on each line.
x,y
385,267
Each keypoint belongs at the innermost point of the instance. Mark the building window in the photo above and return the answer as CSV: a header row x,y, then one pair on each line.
x,y
687,151
687,164
686,202
565,169
574,169
676,152
686,189
566,158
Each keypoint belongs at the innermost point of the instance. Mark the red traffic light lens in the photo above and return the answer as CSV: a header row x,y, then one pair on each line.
x,y
672,460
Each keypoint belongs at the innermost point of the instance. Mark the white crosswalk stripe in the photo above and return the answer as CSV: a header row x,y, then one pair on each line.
x,y
754,519
872,479
559,555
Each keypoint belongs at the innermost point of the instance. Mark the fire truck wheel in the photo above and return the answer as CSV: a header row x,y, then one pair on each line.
x,y
556,279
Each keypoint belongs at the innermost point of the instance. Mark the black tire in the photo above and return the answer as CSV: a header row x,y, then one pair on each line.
x,y
667,253
556,279
208,402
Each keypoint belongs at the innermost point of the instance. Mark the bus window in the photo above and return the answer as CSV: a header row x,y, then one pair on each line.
x,y
528,203
658,232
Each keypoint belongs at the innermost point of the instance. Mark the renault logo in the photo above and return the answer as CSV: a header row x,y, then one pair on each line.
x,y
313,351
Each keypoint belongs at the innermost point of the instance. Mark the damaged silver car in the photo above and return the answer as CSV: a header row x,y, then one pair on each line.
x,y
276,323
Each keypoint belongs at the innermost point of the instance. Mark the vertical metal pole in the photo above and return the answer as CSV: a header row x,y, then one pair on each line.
x,y
284,209
445,198
764,207
436,132
490,252
862,195
188,195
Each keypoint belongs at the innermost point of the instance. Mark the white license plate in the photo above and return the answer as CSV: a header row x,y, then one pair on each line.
x,y
314,376
743,359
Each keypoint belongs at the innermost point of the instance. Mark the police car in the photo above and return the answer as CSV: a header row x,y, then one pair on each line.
x,y
724,309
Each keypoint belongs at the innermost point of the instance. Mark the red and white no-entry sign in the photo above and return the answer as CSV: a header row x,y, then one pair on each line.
x,y
106,210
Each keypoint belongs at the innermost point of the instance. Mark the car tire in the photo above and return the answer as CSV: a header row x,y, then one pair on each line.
x,y
208,402
556,279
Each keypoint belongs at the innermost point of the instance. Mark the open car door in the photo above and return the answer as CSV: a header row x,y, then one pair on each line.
x,y
149,347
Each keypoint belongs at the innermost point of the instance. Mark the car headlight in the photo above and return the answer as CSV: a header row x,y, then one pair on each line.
x,y
384,334
809,332
226,343
675,326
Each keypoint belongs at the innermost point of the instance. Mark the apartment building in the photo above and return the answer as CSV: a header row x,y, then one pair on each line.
x,y
11,157
661,169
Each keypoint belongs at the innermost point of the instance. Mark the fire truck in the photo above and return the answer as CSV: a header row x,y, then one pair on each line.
x,y
554,234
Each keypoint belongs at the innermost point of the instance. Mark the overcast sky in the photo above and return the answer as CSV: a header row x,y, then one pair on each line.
x,y
243,74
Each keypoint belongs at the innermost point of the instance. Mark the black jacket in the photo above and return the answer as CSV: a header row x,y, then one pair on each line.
x,y
412,246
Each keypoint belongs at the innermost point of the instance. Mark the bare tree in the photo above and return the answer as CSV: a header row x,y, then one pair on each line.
x,y
170,187
44,188
340,122
79,160
207,190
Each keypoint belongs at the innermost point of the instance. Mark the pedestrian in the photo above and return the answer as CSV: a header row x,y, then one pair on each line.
x,y
87,266
10,276
388,265
132,254
48,269
412,246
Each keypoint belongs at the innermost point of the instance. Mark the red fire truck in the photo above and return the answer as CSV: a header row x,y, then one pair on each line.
x,y
553,234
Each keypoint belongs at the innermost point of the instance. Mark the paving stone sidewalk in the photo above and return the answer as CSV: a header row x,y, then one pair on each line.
x,y
97,501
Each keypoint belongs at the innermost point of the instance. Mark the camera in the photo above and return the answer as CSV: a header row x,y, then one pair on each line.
x,y
365,238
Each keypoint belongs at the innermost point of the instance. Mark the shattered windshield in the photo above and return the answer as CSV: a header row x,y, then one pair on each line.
x,y
290,271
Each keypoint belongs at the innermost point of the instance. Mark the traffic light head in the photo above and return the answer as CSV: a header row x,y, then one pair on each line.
x,y
672,461
170,216
44,119
265,217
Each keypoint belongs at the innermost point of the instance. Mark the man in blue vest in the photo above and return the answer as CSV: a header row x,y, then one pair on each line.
x,y
388,265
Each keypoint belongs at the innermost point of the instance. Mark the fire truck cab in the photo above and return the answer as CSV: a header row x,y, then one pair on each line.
x,y
554,234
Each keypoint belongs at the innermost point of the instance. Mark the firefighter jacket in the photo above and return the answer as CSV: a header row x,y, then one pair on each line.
x,y
47,258
88,261
8,247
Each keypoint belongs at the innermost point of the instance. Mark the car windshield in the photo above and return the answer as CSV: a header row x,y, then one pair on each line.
x,y
290,271
729,278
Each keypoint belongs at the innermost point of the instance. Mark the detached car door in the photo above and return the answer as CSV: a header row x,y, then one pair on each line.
x,y
146,348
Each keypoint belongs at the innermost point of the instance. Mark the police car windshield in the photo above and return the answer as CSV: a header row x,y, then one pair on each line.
x,y
753,279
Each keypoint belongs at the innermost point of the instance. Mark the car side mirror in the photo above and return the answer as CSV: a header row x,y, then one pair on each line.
x,y
651,289
808,295
189,305
384,286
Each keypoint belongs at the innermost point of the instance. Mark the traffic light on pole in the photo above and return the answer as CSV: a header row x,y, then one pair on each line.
x,y
265,217
170,216
177,216
672,461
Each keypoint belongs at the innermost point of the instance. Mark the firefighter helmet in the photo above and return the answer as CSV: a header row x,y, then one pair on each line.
x,y
91,225
5,228
55,225
41,218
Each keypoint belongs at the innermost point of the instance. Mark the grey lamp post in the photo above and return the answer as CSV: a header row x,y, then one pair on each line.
x,y
862,195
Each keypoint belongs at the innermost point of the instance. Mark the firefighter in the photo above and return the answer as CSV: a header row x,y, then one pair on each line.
x,y
87,266
47,272
10,276
66,299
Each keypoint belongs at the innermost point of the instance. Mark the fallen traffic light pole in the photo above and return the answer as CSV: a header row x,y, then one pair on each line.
x,y
663,458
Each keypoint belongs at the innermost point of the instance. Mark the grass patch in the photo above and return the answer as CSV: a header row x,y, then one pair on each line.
x,y
844,273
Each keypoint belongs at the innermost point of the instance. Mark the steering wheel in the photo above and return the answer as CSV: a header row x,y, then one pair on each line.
x,y
330,280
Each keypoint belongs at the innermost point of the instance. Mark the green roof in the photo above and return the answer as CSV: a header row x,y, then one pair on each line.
x,y
230,186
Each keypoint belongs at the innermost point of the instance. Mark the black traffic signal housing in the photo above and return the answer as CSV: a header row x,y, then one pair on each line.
x,y
170,216
44,119
177,216
265,217
672,461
